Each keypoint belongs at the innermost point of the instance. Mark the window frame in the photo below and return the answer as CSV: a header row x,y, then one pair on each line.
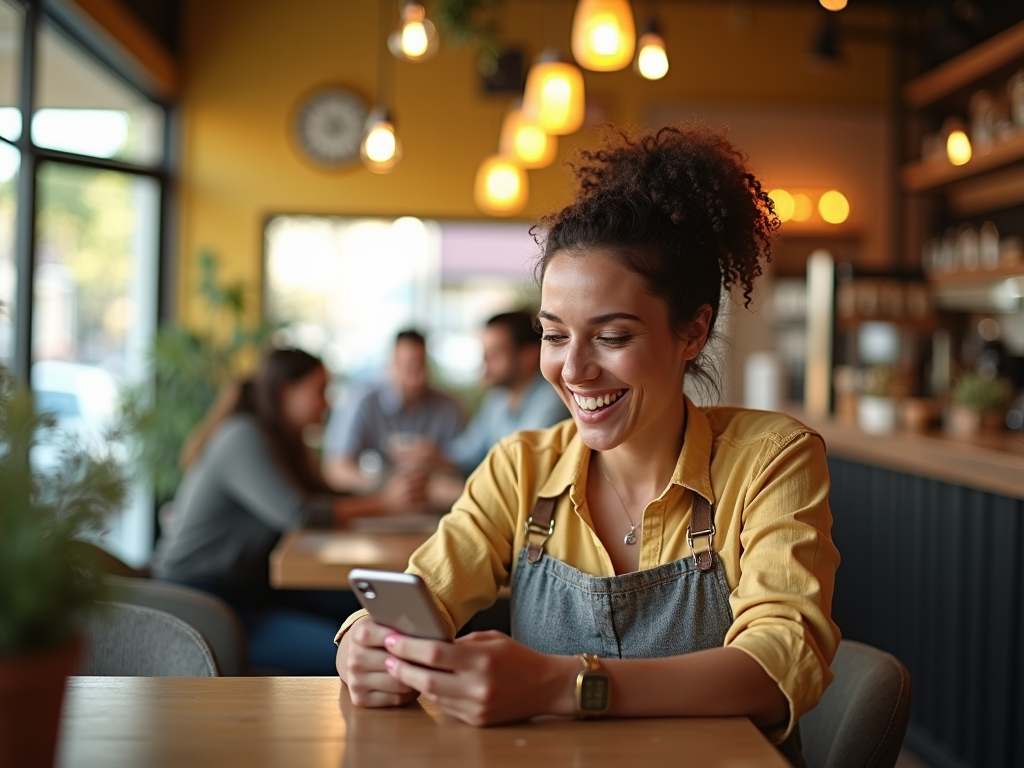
x,y
33,157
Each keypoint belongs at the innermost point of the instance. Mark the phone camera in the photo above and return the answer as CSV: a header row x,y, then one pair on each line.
x,y
367,589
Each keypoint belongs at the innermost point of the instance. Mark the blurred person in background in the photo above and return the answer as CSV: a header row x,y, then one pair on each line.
x,y
249,477
388,422
518,397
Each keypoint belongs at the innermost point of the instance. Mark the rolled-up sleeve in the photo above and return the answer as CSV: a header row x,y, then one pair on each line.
x,y
782,603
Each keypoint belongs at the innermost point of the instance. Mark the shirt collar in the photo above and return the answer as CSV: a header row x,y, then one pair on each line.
x,y
693,467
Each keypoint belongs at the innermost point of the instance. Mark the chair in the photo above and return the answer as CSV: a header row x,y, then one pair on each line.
x,y
124,640
862,717
214,619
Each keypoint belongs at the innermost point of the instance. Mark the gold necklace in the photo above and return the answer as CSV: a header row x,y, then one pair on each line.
x,y
629,538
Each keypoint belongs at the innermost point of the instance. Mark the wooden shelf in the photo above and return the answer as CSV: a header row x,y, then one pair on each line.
x,y
931,175
994,54
918,324
977,275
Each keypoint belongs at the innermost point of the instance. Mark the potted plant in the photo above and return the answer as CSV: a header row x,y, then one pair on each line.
x,y
979,403
47,584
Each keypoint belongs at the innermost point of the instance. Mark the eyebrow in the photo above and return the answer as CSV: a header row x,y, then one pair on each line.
x,y
598,320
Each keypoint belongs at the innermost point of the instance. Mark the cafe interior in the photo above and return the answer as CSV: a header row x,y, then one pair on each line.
x,y
185,183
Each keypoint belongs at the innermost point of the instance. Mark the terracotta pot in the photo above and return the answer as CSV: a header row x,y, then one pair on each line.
x,y
962,421
31,695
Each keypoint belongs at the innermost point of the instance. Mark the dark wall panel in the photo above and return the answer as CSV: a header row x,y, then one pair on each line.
x,y
932,573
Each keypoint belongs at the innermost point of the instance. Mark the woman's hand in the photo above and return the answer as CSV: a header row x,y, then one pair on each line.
x,y
484,678
360,662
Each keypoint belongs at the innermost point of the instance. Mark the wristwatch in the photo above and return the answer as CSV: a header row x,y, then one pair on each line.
x,y
593,688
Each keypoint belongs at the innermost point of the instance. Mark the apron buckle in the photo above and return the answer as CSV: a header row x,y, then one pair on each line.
x,y
703,560
535,550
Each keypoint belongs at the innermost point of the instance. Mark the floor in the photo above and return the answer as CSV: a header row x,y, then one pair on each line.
x,y
908,760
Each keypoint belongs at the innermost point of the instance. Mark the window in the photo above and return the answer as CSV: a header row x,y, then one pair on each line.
x,y
83,261
342,287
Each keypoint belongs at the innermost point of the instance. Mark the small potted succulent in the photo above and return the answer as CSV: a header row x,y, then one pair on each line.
x,y
979,404
47,582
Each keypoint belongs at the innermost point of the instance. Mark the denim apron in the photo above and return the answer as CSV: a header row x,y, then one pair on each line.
x,y
672,609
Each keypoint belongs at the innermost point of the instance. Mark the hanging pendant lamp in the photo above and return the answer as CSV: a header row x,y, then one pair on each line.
x,y
554,98
603,34
416,39
526,142
501,187
651,58
381,150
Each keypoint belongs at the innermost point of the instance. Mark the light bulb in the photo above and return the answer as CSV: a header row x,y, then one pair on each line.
x,y
381,144
417,39
958,148
554,99
603,34
501,186
526,142
833,5
784,204
802,207
652,60
834,207
381,150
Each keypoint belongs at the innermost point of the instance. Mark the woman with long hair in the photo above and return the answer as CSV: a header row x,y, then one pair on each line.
x,y
249,477
677,557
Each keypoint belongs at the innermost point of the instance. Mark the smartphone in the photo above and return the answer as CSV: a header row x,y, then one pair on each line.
x,y
400,601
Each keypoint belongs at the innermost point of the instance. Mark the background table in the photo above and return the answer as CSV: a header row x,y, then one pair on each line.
x,y
265,722
307,559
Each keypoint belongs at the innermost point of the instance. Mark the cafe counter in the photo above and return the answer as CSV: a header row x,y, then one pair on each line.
x,y
931,534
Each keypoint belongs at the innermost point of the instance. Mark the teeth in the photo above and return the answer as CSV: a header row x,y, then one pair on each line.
x,y
593,403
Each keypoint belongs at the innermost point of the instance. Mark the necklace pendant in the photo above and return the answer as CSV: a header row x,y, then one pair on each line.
x,y
629,538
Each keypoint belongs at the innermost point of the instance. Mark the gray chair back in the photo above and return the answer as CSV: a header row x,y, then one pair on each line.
x,y
124,640
215,620
862,718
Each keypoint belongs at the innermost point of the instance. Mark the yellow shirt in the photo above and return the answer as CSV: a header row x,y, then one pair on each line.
x,y
766,475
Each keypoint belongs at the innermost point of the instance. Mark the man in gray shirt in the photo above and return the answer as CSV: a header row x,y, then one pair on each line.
x,y
384,419
518,396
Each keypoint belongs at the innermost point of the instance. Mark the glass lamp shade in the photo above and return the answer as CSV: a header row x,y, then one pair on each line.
x,y
554,98
833,207
526,142
603,35
381,150
501,187
416,39
651,58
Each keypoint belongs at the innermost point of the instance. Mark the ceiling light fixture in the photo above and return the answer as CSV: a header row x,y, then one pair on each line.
x,y
501,187
651,58
554,99
603,34
526,141
416,39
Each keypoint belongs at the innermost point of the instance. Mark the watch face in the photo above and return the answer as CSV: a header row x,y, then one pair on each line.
x,y
330,126
592,690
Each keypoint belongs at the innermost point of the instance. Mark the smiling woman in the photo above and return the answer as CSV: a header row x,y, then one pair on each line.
x,y
664,559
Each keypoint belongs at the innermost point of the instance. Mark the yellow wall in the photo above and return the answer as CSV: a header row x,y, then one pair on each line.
x,y
247,63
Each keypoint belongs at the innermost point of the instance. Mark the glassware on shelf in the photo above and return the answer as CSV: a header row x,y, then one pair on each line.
x,y
988,246
1015,92
981,110
967,247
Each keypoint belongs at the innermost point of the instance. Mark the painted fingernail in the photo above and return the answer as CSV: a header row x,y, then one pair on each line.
x,y
390,640
390,662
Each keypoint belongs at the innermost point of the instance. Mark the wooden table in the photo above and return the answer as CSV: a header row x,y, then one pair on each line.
x,y
264,722
307,559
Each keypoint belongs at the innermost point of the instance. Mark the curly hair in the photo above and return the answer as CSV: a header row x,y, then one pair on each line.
x,y
677,206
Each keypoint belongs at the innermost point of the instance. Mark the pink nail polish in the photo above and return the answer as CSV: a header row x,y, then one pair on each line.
x,y
390,662
390,640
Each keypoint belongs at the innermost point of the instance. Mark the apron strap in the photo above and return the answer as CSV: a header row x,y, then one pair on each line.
x,y
702,523
541,523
